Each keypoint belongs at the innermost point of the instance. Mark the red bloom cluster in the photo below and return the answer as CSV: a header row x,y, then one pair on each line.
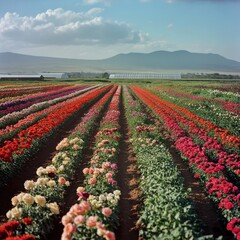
x,y
27,136
234,227
7,230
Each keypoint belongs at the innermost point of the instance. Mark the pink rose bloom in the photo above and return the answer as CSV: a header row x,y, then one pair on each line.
x,y
66,219
85,171
110,180
79,220
106,165
109,174
93,162
114,166
91,221
85,205
92,181
76,209
96,171
100,225
65,236
69,229
106,211
114,183
62,180
110,235
83,195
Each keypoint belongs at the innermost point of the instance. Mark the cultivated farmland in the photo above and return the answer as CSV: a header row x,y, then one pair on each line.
x,y
153,160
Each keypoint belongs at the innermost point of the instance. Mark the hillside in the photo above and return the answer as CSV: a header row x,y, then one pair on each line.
x,y
180,61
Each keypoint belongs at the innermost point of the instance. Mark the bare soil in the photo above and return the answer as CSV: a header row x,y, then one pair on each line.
x,y
128,176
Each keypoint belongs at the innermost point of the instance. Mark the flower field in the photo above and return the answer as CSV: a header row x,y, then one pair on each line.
x,y
119,161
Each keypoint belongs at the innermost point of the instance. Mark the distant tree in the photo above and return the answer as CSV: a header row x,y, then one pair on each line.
x,y
105,75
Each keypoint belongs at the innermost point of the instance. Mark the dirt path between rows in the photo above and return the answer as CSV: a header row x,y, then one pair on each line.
x,y
42,158
78,179
128,176
206,211
70,196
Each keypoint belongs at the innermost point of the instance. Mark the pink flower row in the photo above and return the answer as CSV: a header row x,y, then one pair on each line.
x,y
212,174
93,209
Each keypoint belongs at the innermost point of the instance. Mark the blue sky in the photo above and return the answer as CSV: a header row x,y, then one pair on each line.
x,y
95,29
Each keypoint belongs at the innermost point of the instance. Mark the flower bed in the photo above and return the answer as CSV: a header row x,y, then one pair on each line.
x,y
42,202
166,212
222,113
95,215
17,151
211,174
18,104
11,94
13,117
11,130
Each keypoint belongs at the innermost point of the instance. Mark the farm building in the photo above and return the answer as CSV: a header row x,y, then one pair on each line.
x,y
54,75
145,76
11,77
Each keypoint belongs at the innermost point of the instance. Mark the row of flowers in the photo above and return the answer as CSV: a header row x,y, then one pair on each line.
x,y
9,94
18,104
14,117
50,90
222,113
212,175
16,152
166,212
224,136
95,216
36,210
11,130
209,145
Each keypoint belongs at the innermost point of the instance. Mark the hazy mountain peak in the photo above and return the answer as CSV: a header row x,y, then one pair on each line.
x,y
178,61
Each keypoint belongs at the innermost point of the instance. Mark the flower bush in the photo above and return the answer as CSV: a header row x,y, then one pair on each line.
x,y
100,193
42,202
93,217
166,212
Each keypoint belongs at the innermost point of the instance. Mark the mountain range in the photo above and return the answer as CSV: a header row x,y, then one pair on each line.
x,y
159,61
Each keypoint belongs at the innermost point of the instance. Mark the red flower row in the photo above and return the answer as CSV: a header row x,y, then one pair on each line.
x,y
219,188
26,137
8,229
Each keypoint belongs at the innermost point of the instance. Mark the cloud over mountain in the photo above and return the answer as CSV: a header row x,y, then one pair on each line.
x,y
61,27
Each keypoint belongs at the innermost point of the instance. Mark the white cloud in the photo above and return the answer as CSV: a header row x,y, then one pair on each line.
x,y
170,25
61,27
